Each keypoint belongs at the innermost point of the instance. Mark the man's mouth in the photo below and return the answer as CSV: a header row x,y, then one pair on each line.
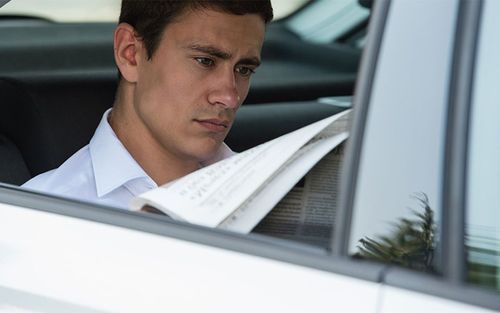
x,y
215,125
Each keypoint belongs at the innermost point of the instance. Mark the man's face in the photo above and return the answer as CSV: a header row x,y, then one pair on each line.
x,y
187,95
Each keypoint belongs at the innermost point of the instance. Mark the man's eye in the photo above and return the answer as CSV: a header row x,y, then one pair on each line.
x,y
244,71
207,62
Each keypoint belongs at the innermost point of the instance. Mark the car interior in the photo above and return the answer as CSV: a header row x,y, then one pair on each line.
x,y
56,80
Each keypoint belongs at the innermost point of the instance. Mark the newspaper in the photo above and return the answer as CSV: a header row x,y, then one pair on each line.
x,y
238,192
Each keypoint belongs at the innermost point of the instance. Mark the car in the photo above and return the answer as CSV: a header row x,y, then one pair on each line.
x,y
416,224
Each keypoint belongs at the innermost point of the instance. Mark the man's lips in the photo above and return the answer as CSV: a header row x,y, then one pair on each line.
x,y
215,125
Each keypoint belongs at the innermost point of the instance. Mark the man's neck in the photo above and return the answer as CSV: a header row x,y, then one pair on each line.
x,y
154,159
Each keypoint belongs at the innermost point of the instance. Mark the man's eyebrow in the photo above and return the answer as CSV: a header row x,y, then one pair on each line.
x,y
213,51
218,53
250,61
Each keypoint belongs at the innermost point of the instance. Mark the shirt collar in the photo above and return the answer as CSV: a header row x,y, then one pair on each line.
x,y
113,165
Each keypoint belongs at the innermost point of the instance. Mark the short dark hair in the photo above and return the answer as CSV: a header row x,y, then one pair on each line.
x,y
150,17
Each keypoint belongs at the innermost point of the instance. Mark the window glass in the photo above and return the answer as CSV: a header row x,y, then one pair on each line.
x,y
483,201
396,207
102,10
65,11
327,21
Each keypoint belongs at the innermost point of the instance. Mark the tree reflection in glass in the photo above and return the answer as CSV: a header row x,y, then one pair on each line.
x,y
411,243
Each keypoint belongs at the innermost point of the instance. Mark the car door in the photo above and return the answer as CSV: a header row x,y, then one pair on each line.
x,y
58,255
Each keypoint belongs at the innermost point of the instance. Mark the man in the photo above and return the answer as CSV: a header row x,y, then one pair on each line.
x,y
185,69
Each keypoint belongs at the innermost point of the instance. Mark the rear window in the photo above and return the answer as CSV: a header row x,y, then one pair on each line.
x,y
101,10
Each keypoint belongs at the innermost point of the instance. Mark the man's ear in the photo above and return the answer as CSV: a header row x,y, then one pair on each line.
x,y
127,51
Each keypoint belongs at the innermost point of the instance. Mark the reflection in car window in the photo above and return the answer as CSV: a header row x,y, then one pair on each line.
x,y
396,209
327,21
483,206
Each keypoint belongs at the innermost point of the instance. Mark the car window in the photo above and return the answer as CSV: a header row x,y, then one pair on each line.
x,y
396,208
77,58
483,202
102,10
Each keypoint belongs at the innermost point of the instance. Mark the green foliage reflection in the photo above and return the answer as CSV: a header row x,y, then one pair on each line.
x,y
411,244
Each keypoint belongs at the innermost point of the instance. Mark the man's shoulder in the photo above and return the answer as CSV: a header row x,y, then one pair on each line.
x,y
73,178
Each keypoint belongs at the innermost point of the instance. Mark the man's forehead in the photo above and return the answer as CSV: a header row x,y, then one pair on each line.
x,y
217,17
223,33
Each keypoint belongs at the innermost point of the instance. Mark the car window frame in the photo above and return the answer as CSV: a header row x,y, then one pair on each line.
x,y
252,244
363,88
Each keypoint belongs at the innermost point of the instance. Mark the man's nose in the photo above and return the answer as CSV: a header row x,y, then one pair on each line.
x,y
225,91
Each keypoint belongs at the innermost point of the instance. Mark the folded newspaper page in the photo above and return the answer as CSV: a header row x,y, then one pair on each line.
x,y
307,212
238,192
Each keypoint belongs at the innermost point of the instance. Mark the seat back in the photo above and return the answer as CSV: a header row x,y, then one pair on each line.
x,y
49,120
13,169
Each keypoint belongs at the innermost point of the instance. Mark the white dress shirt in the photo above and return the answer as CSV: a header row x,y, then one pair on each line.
x,y
103,171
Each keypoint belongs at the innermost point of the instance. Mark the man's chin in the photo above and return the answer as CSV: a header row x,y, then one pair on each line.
x,y
206,153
